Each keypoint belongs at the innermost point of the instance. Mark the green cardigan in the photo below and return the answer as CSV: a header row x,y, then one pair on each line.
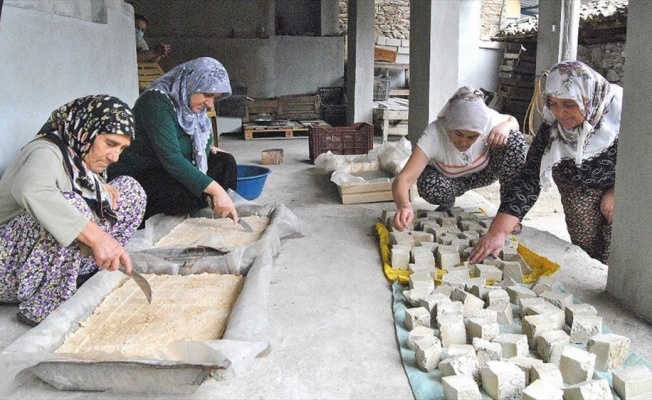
x,y
161,144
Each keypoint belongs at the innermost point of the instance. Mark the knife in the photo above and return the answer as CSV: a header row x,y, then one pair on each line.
x,y
242,223
137,277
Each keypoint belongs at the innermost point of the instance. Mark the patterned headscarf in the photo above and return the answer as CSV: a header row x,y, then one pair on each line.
x,y
201,75
598,100
73,127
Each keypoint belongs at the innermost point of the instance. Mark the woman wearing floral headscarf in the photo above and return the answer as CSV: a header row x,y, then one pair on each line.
x,y
576,147
54,196
468,146
173,157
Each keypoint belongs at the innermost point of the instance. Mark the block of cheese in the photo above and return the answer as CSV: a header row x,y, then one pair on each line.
x,y
526,364
634,383
558,299
463,364
427,353
551,344
542,390
547,372
535,325
503,380
589,390
481,328
610,350
417,316
576,309
513,344
584,327
461,387
576,365
418,333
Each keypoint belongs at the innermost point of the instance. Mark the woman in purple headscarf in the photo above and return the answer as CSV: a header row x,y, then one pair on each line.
x,y
468,146
576,146
173,157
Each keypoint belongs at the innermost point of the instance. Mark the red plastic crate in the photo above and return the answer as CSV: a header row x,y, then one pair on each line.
x,y
356,139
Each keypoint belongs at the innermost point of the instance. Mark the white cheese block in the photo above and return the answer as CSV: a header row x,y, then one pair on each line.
x,y
610,350
634,383
427,353
576,365
551,344
461,387
542,390
503,380
590,390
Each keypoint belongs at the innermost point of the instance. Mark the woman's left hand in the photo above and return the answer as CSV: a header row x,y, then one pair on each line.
x,y
115,195
499,135
215,149
607,204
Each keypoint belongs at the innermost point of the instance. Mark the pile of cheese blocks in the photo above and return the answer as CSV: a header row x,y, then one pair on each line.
x,y
483,329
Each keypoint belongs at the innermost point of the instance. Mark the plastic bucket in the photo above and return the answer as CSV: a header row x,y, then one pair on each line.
x,y
251,179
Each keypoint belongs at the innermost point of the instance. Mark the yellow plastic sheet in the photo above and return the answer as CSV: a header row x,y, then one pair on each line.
x,y
541,266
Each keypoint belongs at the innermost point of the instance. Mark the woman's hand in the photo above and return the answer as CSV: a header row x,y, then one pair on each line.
x,y
607,204
222,203
115,195
215,149
108,253
492,242
499,135
403,218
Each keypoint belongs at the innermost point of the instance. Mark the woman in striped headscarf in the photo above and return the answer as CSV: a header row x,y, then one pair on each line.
x,y
54,198
468,146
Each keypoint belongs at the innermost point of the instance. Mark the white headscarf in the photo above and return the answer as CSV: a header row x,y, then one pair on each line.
x,y
465,110
598,100
201,75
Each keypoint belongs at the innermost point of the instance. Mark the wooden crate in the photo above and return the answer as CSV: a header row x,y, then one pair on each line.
x,y
148,72
299,107
384,53
260,106
370,192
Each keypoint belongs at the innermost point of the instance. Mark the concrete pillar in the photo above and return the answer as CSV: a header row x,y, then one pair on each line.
x,y
630,275
360,62
557,36
330,17
437,44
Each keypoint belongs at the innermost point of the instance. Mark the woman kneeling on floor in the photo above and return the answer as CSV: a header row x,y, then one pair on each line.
x,y
468,146
54,198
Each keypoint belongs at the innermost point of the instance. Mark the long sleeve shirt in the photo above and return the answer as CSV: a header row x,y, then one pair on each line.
x,y
161,144
597,173
34,182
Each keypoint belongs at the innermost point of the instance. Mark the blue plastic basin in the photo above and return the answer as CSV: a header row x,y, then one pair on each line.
x,y
251,179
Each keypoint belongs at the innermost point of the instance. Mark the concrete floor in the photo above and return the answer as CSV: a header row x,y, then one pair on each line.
x,y
330,317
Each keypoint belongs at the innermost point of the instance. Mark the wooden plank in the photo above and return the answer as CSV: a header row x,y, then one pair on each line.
x,y
385,54
372,197
384,113
365,187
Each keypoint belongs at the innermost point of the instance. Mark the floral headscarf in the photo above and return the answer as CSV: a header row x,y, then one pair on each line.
x,y
201,75
73,127
598,100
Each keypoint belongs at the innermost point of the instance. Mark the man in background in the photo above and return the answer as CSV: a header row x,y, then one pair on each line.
x,y
144,53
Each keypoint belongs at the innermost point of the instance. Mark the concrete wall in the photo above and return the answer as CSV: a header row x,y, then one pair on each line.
x,y
630,274
270,66
53,52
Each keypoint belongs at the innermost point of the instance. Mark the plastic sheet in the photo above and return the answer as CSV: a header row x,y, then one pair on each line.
x,y
244,338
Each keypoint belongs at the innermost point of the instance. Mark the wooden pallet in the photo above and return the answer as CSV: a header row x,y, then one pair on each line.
x,y
290,130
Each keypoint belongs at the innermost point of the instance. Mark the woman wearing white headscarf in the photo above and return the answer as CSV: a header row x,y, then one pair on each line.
x,y
576,146
173,157
468,146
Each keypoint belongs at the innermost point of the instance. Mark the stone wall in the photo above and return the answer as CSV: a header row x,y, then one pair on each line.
x,y
393,18
607,59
